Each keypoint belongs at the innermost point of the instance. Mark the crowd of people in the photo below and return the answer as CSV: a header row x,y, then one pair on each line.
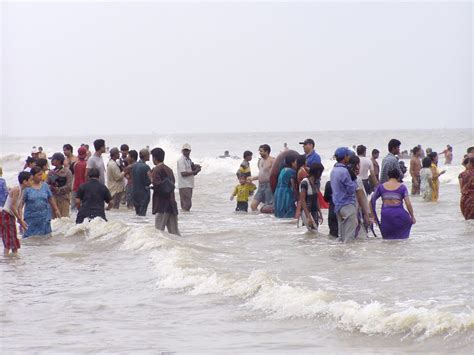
x,y
83,182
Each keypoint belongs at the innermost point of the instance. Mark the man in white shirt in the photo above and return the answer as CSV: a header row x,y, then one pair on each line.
x,y
186,172
366,167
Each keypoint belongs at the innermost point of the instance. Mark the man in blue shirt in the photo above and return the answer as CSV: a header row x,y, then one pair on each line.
x,y
311,156
344,189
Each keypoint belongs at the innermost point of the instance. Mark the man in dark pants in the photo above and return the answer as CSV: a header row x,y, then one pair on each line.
x,y
164,204
141,183
332,218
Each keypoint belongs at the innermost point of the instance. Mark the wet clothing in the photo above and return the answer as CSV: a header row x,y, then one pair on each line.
x,y
311,199
129,187
92,194
186,198
390,162
264,193
37,214
435,189
284,198
467,193
332,217
347,222
8,231
164,204
342,186
3,191
141,187
242,206
243,192
426,175
344,198
96,162
395,221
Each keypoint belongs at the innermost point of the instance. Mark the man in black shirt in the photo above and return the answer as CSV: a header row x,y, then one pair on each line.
x,y
91,196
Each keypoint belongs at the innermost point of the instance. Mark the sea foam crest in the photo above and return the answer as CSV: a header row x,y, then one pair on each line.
x,y
176,268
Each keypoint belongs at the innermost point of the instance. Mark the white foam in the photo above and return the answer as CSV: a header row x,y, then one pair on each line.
x,y
177,267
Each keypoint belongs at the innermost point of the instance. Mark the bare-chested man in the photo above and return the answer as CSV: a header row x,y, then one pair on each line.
x,y
70,157
264,192
415,168
448,154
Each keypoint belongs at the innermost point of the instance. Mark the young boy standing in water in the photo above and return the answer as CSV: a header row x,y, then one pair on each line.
x,y
243,190
10,213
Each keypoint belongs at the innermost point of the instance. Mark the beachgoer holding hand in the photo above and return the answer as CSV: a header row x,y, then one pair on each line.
x,y
10,213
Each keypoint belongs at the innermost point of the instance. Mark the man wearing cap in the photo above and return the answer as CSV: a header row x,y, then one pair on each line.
x,y
115,178
79,171
60,183
311,156
344,188
141,183
186,172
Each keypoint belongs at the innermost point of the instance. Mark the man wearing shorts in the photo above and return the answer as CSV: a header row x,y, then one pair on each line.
x,y
264,192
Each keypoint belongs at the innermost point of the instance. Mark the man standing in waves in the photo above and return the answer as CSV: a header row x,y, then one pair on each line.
x,y
164,205
264,192
186,172
344,188
141,183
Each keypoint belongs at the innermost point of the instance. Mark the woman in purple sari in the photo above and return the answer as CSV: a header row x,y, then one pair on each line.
x,y
395,221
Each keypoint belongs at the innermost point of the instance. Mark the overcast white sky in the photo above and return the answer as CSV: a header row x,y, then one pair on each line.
x,y
95,68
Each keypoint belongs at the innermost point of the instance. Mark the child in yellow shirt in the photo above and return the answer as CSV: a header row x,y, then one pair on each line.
x,y
243,190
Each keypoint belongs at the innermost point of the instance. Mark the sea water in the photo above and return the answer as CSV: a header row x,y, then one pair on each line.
x,y
241,283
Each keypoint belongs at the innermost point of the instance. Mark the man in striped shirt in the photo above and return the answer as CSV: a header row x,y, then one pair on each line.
x,y
390,162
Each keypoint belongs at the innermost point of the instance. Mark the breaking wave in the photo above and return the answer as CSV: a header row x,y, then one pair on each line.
x,y
177,267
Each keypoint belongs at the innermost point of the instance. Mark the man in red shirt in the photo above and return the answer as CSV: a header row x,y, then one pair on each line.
x,y
79,170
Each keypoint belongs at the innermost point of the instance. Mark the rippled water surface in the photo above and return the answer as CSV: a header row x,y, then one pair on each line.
x,y
242,283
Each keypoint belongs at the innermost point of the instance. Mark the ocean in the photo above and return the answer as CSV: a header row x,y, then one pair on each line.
x,y
242,283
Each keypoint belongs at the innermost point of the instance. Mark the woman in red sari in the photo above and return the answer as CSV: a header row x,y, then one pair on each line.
x,y
466,181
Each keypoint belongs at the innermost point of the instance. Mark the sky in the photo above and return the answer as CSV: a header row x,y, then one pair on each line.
x,y
156,67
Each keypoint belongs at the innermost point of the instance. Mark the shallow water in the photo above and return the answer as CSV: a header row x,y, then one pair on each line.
x,y
242,283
